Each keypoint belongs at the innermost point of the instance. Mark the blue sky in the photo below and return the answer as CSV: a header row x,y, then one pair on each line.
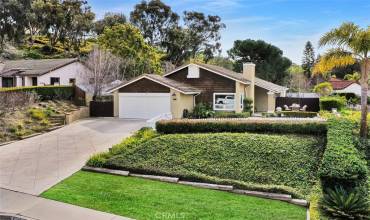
x,y
287,24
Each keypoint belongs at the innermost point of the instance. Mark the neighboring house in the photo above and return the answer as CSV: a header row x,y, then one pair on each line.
x,y
345,86
16,73
151,95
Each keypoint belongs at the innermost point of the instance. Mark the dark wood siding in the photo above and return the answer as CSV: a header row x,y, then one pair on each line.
x,y
207,82
145,86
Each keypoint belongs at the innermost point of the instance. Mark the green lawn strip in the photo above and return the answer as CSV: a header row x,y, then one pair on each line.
x,y
146,199
269,159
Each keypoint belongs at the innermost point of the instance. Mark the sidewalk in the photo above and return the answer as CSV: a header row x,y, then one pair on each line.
x,y
33,207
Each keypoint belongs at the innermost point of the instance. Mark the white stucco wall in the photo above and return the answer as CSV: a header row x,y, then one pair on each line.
x,y
73,70
353,88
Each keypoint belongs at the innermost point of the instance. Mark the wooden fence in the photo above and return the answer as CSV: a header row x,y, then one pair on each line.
x,y
101,109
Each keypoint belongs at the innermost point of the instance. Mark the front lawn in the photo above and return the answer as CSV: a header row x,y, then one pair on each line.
x,y
146,199
279,163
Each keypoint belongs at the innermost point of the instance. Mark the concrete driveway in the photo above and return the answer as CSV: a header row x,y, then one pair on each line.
x,y
33,165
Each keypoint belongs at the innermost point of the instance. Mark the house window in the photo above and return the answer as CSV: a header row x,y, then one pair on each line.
x,y
7,81
34,81
54,81
72,81
224,101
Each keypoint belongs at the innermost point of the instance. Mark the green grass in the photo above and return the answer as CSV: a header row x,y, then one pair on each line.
x,y
146,199
267,159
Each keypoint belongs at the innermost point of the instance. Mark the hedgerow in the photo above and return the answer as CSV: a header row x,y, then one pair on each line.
x,y
279,163
45,92
262,126
342,163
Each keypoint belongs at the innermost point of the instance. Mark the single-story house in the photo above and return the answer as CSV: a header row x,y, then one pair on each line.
x,y
345,86
15,73
151,95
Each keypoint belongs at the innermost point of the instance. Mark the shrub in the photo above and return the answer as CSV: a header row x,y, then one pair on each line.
x,y
14,99
343,204
202,110
45,92
37,114
297,114
330,102
232,115
290,114
324,88
280,160
44,122
342,163
140,136
247,105
98,160
211,126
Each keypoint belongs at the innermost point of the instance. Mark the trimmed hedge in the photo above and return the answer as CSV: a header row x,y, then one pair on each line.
x,y
212,126
275,163
45,92
342,163
330,102
232,115
298,114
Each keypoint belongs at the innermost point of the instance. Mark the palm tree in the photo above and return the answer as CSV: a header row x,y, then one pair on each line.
x,y
351,44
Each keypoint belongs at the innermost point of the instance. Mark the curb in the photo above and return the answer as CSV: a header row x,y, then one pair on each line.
x,y
227,188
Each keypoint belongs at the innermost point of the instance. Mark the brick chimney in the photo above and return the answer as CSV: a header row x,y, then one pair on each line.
x,y
249,73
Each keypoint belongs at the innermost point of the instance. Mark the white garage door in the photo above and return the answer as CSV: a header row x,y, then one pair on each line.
x,y
143,105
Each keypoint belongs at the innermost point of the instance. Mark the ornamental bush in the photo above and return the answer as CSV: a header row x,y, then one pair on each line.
x,y
261,126
283,162
330,102
45,92
232,115
342,163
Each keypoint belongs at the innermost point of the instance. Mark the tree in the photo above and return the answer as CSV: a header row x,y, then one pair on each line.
x,y
204,33
269,60
298,82
78,23
154,19
13,20
67,22
356,76
110,19
324,89
126,41
177,46
350,43
308,60
102,67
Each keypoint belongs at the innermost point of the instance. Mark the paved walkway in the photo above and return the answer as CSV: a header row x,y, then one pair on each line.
x,y
33,165
31,207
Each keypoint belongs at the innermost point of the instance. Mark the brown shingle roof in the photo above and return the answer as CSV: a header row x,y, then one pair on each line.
x,y
238,76
36,67
181,87
339,84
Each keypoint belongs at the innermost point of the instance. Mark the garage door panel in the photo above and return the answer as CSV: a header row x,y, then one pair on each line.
x,y
143,105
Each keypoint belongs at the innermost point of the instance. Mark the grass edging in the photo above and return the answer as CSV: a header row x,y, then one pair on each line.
x,y
227,188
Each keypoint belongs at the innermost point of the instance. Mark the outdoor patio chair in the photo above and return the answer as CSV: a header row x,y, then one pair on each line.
x,y
286,108
304,108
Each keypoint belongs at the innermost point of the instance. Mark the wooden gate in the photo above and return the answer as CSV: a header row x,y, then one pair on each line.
x,y
101,109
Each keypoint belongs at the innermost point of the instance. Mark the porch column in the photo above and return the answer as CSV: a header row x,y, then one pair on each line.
x,y
116,104
270,102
